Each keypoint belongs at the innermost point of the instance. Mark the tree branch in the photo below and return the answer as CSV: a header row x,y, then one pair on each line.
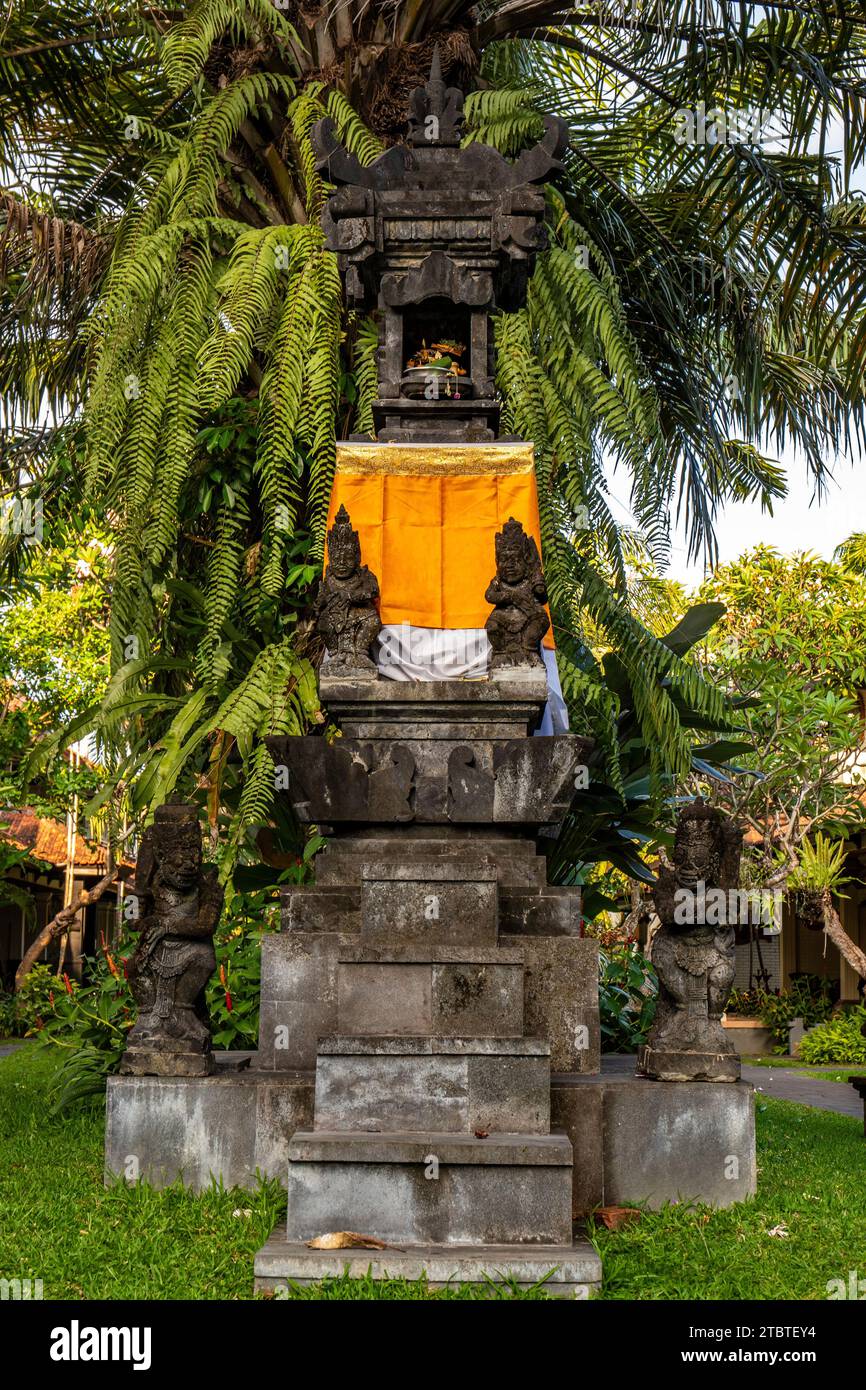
x,y
64,920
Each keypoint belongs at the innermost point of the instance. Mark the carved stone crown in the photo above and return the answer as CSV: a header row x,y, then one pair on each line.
x,y
513,540
176,822
436,111
342,538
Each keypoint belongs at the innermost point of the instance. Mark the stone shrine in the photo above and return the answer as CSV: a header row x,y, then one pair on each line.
x,y
429,1062
435,237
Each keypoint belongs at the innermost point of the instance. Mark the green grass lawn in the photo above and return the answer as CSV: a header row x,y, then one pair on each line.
x,y
836,1072
61,1225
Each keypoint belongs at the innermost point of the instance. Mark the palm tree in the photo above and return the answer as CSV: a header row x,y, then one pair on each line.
x,y
167,294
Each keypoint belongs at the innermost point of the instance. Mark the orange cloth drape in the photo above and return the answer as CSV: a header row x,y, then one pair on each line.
x,y
427,517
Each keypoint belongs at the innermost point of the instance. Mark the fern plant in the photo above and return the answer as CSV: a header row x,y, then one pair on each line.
x,y
166,287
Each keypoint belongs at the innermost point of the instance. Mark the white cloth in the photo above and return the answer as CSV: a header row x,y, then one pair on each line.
x,y
407,653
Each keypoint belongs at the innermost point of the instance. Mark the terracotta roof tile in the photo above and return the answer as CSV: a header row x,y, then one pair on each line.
x,y
46,839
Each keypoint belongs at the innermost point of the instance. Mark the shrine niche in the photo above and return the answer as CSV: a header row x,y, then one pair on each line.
x,y
436,238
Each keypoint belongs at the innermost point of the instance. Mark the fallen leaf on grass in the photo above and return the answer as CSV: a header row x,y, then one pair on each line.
x,y
348,1240
779,1231
615,1218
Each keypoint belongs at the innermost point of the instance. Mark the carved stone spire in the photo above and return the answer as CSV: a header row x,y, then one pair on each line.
x,y
436,111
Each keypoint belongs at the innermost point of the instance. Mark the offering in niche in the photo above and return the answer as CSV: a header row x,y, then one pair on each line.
x,y
440,357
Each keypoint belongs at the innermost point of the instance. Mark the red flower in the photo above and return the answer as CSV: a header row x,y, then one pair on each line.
x,y
67,983
228,1001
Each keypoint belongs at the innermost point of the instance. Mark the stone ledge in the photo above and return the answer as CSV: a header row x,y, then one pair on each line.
x,y
421,954
408,1147
576,1269
388,1045
433,696
462,870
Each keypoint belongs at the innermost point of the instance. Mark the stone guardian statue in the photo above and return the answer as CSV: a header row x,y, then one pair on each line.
x,y
518,593
693,951
346,611
180,902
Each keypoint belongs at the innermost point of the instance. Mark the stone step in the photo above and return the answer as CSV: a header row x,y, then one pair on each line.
x,y
412,1189
324,908
445,903
454,1086
343,862
445,991
569,1271
530,910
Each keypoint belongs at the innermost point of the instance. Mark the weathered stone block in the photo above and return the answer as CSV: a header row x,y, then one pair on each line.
x,y
321,908
230,1127
372,998
431,1189
509,1094
569,1272
446,991
684,1141
440,903
561,998
540,911
514,858
578,1111
484,999
391,1084
298,996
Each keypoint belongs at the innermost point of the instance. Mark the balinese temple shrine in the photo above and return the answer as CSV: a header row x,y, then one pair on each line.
x,y
435,239
428,1083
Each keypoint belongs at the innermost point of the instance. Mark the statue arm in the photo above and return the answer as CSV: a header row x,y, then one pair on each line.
x,y
494,593
210,903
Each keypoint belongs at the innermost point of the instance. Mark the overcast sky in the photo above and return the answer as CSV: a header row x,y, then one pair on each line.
x,y
800,522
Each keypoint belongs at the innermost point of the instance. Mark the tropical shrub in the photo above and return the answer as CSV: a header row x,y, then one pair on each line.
x,y
840,1039
41,993
746,1003
809,998
627,994
233,992
89,1023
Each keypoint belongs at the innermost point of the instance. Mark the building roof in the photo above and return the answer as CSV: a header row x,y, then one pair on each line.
x,y
46,839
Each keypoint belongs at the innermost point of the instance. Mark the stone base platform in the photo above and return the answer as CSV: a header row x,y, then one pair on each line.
x,y
413,1189
233,1126
634,1140
644,1142
688,1066
574,1270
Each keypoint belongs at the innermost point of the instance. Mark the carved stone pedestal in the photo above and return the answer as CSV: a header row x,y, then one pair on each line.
x,y
432,957
661,1065
169,1060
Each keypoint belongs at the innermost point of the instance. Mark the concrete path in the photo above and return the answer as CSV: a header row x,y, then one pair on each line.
x,y
782,1083
6,1048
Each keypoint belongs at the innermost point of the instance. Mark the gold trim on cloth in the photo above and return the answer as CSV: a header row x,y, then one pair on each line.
x,y
435,460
